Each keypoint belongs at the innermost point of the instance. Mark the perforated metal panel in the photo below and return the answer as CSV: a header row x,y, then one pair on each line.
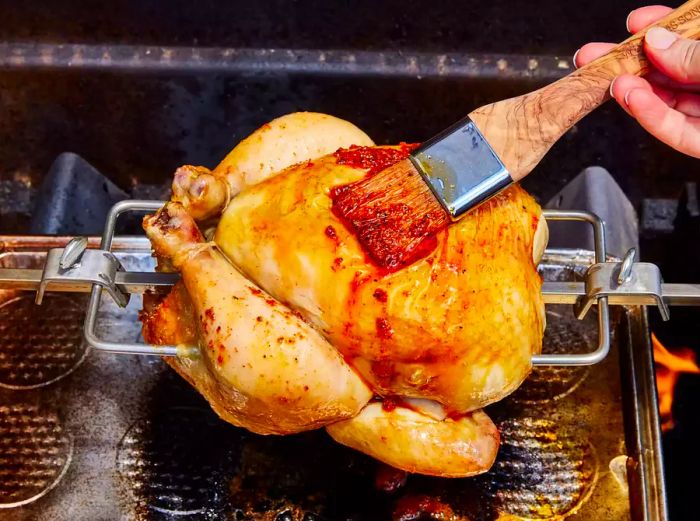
x,y
35,451
40,345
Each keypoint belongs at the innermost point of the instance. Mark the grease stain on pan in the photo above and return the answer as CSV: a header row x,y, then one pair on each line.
x,y
564,334
543,471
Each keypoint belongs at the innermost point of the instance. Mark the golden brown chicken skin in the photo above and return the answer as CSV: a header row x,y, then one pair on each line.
x,y
458,326
451,332
259,364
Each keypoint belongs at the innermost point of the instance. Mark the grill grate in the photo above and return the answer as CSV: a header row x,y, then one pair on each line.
x,y
562,335
177,462
35,453
40,345
542,471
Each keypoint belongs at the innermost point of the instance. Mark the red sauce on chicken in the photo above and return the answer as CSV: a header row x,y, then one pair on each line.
x,y
375,159
384,329
382,227
384,371
389,403
331,234
380,295
413,508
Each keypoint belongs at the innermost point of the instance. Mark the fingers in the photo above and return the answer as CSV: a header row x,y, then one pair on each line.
x,y
668,125
675,128
645,16
656,77
590,52
636,21
673,56
623,84
666,105
688,104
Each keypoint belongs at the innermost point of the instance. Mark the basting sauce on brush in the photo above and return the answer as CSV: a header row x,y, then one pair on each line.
x,y
386,224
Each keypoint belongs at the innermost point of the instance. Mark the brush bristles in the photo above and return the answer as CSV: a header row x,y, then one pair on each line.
x,y
393,213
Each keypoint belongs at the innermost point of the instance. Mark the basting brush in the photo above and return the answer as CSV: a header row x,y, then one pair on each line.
x,y
396,212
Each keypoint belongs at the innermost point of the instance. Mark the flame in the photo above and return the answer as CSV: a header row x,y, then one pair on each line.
x,y
669,366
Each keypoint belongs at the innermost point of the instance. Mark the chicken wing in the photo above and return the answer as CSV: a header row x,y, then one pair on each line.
x,y
407,439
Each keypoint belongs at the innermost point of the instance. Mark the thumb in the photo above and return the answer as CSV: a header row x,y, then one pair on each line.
x,y
676,57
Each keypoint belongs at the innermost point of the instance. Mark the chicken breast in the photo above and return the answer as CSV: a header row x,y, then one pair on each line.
x,y
270,149
459,326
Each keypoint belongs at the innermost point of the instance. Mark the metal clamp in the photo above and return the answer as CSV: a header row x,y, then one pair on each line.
x,y
542,359
75,265
602,300
89,332
623,279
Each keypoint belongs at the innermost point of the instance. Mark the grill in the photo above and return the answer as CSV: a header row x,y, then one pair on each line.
x,y
102,436
146,445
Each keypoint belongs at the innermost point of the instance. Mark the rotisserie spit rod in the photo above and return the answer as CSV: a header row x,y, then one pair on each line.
x,y
138,282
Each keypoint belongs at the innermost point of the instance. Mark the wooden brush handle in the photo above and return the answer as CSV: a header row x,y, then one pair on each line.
x,y
521,130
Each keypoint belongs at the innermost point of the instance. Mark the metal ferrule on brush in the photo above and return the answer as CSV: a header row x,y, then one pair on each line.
x,y
461,168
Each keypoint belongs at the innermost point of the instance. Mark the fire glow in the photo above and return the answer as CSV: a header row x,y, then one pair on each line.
x,y
669,366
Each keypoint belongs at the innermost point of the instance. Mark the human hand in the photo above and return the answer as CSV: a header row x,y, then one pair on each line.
x,y
667,101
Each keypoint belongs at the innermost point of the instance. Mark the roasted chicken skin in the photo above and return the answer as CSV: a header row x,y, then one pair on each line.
x,y
455,330
459,326
408,439
261,366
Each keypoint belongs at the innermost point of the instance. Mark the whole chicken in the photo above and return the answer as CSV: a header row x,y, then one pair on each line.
x,y
297,329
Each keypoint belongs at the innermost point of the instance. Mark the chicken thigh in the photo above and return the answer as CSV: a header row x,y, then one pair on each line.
x,y
261,366
297,329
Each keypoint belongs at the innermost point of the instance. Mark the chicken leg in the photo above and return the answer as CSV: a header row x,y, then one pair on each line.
x,y
412,441
260,365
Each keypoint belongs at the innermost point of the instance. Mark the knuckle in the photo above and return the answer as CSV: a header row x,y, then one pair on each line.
x,y
690,62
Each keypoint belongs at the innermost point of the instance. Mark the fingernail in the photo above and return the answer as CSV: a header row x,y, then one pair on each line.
x,y
627,22
574,58
611,87
660,38
627,98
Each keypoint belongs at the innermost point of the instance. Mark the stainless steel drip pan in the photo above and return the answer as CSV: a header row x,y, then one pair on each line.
x,y
99,436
